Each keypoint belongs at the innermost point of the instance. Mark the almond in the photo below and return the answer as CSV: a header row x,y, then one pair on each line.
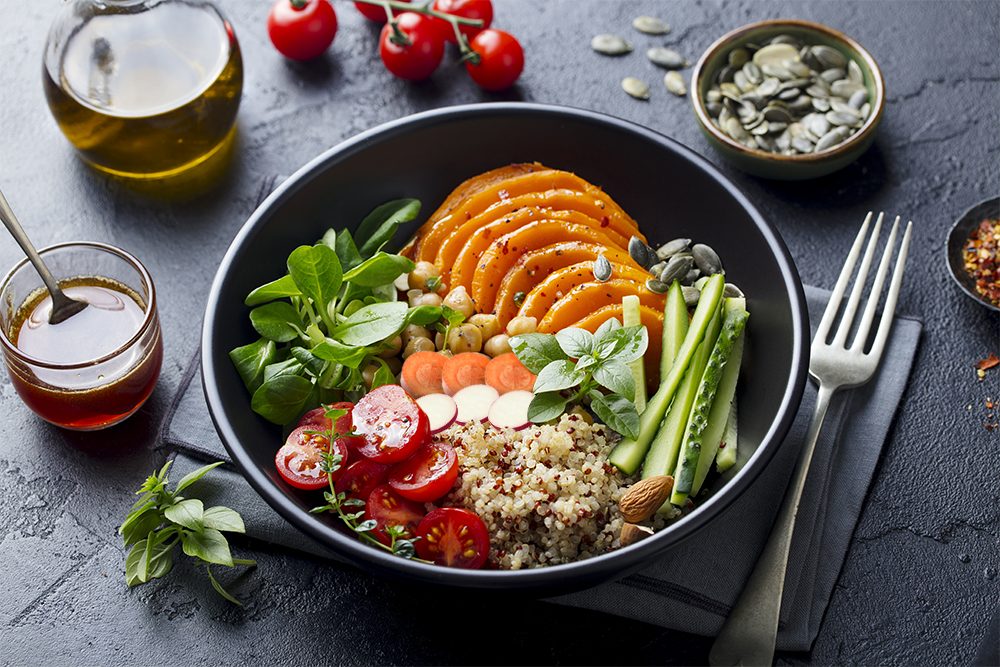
x,y
643,498
632,533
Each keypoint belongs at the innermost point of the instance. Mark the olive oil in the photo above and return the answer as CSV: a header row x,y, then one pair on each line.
x,y
146,90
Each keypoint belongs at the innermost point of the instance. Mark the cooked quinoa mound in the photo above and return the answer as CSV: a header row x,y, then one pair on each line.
x,y
546,493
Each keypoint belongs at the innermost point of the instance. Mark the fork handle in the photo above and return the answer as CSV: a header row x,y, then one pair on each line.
x,y
748,635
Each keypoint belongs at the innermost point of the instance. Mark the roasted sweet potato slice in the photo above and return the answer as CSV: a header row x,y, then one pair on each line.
x,y
504,252
543,297
586,297
651,319
535,266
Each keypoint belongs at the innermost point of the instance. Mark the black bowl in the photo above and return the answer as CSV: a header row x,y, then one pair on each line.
x,y
669,189
954,249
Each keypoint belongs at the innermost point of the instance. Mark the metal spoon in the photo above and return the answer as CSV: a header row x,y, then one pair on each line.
x,y
63,307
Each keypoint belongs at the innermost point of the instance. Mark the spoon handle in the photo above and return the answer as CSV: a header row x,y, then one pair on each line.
x,y
14,227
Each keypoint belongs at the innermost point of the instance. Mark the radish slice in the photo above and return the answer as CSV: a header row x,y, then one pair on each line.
x,y
511,410
474,402
440,410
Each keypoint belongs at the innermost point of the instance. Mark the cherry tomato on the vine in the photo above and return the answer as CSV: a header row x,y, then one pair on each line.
x,y
302,29
501,60
418,59
373,12
466,9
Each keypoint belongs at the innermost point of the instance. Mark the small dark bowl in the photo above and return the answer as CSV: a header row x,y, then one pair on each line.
x,y
668,188
957,237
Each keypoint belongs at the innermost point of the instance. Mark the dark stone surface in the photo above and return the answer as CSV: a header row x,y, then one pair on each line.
x,y
920,580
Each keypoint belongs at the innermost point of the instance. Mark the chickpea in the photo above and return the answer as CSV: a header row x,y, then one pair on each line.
x,y
418,345
465,338
395,365
522,325
393,346
439,340
368,373
497,345
459,299
414,331
428,299
412,296
420,274
488,325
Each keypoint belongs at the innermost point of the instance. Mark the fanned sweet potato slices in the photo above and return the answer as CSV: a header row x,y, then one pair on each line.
x,y
534,267
624,280
651,319
586,297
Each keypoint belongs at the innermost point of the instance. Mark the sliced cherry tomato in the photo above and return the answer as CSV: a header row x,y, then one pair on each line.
x,y
467,9
302,29
454,537
360,478
428,474
299,461
392,424
501,60
317,420
418,59
388,508
373,12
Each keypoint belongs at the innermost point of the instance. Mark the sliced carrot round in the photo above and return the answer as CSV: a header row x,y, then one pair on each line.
x,y
463,370
422,373
506,373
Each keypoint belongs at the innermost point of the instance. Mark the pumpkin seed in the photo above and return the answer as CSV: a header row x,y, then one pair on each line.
x,y
854,72
657,287
768,87
713,109
690,277
706,259
733,292
833,74
829,56
865,110
639,251
821,105
602,269
832,138
802,145
858,98
671,248
775,54
741,81
738,57
691,295
777,71
610,45
842,118
650,25
637,88
675,83
786,39
753,73
664,57
845,88
676,268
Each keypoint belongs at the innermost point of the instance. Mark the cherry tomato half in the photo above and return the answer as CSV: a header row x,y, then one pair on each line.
x,y
501,60
388,508
360,478
418,59
427,475
454,537
392,424
299,461
467,9
373,12
302,29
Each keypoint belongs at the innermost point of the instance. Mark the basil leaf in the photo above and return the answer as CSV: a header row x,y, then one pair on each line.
x,y
136,568
193,476
381,269
250,361
219,589
286,367
558,375
186,513
617,412
329,239
282,398
608,325
277,321
276,289
626,344
137,527
372,324
536,351
332,350
575,342
616,377
223,518
209,545
161,561
546,406
312,364
380,225
585,362
317,272
423,315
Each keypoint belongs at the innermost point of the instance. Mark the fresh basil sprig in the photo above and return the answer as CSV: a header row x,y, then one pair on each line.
x,y
161,519
575,366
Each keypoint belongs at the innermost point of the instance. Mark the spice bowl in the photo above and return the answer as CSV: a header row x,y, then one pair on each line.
x,y
957,242
765,117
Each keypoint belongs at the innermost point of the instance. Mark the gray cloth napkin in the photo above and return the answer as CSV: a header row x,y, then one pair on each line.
x,y
671,593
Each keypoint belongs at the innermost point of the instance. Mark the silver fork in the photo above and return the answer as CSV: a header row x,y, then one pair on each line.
x,y
748,635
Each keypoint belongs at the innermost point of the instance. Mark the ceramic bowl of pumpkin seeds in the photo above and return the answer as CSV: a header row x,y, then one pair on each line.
x,y
788,99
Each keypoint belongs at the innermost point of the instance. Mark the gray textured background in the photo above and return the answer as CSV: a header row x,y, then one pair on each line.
x,y
920,580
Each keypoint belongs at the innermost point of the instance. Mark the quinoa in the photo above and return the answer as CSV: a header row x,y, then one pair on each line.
x,y
546,493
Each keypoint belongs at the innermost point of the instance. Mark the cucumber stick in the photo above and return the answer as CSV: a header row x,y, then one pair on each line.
x,y
632,318
662,456
629,453
734,319
675,327
726,458
718,416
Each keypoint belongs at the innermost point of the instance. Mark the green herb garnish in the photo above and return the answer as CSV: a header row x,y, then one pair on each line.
x,y
161,519
575,366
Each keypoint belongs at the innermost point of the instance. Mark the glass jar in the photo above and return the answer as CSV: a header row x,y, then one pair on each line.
x,y
143,88
67,389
